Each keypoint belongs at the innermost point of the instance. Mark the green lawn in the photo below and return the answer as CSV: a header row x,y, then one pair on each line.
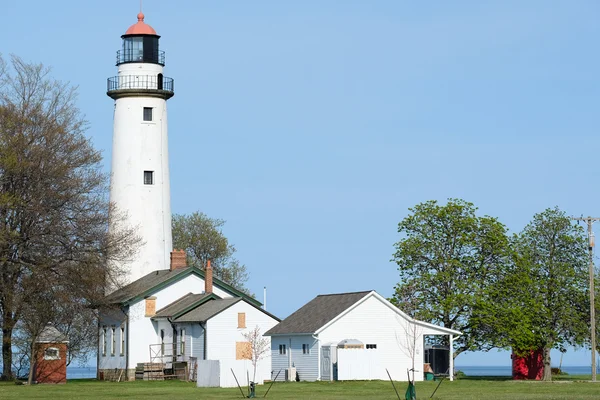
x,y
480,388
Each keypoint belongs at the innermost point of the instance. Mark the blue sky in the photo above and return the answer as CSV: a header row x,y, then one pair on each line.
x,y
312,126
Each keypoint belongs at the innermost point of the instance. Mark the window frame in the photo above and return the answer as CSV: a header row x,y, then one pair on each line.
x,y
103,341
53,357
151,180
113,342
305,348
162,342
282,349
122,349
182,342
148,111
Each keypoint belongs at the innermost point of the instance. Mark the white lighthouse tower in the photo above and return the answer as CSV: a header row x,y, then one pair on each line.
x,y
140,158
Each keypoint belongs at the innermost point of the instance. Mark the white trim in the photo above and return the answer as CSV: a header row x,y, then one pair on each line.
x,y
451,370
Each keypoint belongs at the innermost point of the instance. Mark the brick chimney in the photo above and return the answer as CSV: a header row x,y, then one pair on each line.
x,y
208,278
178,260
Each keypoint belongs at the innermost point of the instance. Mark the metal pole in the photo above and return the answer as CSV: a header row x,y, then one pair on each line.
x,y
590,221
592,302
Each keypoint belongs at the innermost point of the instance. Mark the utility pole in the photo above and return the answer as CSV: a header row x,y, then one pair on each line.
x,y
589,221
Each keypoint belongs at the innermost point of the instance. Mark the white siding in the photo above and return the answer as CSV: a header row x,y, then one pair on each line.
x,y
144,332
222,331
113,320
307,365
373,322
279,362
197,342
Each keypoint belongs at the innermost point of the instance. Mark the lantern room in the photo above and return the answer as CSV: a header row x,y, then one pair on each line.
x,y
140,44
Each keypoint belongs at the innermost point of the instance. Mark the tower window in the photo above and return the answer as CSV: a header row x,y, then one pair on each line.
x,y
148,177
147,113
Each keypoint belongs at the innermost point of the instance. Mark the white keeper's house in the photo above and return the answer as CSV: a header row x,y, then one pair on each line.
x,y
168,314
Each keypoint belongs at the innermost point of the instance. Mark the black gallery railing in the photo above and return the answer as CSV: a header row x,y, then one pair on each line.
x,y
151,82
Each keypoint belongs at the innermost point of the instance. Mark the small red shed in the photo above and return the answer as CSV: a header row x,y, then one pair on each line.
x,y
528,365
51,356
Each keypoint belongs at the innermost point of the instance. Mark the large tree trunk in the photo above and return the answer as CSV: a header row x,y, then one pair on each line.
x,y
547,365
7,331
32,361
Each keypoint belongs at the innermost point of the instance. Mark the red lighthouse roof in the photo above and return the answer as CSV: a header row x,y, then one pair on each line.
x,y
140,28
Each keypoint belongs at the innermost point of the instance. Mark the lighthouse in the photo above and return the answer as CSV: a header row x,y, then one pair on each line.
x,y
139,185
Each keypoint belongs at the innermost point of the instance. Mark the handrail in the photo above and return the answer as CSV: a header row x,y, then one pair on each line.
x,y
146,82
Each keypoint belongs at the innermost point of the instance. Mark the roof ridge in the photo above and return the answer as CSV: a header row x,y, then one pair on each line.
x,y
344,293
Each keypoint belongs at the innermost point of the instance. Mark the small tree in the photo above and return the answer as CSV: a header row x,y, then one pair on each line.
x,y
259,346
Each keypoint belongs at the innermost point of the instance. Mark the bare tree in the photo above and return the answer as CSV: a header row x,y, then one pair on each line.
x,y
55,248
259,346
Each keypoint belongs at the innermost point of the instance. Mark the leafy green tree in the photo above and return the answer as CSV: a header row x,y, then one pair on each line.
x,y
447,258
202,238
541,300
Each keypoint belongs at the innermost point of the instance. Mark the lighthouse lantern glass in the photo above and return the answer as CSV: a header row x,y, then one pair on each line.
x,y
140,49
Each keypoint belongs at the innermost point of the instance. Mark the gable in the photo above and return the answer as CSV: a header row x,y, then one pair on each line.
x,y
380,307
317,313
154,282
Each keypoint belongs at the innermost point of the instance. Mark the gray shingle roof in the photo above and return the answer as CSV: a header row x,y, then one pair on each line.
x,y
316,313
142,285
51,335
205,311
181,304
148,283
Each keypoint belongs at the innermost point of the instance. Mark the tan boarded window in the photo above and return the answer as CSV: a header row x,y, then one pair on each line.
x,y
241,320
151,306
243,351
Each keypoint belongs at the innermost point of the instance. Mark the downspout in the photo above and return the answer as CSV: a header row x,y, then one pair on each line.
x,y
98,347
127,346
205,338
319,358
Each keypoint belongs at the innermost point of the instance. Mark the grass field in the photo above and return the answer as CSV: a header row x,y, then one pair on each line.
x,y
473,388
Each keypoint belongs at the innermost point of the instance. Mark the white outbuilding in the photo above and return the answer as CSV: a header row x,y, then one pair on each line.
x,y
351,336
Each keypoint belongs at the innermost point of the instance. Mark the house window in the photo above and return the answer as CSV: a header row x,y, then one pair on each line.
x,y
113,341
282,349
122,351
241,320
51,353
162,342
103,341
182,343
148,177
147,113
305,349
371,346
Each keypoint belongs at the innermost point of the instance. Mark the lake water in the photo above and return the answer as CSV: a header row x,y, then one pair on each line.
x,y
507,370
90,372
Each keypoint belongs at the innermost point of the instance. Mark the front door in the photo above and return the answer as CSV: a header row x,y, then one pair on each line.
x,y
326,363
